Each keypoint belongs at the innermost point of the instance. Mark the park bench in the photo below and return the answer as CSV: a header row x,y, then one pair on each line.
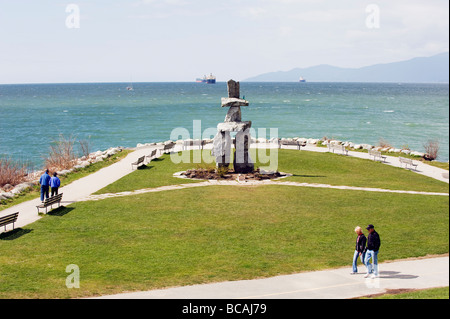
x,y
297,144
377,155
336,147
49,202
138,162
8,219
407,161
167,148
152,154
188,143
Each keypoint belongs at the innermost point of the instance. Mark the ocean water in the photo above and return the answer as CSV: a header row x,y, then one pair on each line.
x,y
106,114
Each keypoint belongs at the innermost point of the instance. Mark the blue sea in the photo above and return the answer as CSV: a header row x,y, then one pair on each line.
x,y
106,114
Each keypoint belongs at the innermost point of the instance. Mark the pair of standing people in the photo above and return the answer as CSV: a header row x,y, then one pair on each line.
x,y
366,253
48,182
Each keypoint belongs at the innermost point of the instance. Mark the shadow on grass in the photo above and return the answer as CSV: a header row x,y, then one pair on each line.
x,y
144,167
14,234
60,211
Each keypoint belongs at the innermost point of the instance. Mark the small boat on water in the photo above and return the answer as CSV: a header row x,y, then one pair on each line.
x,y
130,87
302,79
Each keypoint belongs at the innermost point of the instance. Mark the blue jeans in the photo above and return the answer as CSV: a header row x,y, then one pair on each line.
x,y
355,260
372,268
44,191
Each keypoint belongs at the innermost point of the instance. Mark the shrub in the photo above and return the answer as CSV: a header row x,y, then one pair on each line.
x,y
61,155
431,150
222,171
12,172
383,143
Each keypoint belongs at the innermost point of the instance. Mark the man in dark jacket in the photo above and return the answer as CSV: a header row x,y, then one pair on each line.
x,y
373,246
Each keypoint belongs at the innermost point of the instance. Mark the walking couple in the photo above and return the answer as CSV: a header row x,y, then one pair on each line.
x,y
47,182
366,253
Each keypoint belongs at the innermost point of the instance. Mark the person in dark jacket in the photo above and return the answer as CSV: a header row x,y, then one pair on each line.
x,y
360,249
54,184
45,184
373,246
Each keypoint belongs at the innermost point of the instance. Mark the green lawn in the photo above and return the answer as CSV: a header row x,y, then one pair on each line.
x,y
211,234
433,293
159,172
221,233
307,167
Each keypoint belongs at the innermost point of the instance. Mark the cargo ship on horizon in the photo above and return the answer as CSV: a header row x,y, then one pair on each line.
x,y
211,79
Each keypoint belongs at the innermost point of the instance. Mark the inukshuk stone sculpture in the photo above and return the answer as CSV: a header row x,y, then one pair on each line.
x,y
233,123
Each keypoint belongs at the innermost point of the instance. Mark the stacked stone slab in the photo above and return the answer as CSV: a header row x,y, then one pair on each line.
x,y
233,123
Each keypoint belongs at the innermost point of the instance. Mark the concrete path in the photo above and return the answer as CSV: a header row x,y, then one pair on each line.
x,y
327,284
251,183
79,188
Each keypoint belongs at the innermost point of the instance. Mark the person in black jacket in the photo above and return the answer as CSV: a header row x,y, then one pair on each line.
x,y
373,246
360,249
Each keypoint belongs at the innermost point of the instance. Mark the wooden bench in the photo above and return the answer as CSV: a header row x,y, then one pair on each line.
x,y
377,156
408,161
50,202
193,143
167,148
335,147
297,144
138,162
152,154
8,219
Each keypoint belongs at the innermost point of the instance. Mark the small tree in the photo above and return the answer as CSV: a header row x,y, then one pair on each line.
x,y
431,150
61,154
85,148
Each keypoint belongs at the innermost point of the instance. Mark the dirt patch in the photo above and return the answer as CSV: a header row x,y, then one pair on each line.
x,y
212,174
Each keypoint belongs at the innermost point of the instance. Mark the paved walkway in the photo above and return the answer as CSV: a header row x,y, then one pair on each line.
x,y
326,284
251,183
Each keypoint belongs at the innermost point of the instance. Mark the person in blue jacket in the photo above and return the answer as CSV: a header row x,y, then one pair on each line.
x,y
54,184
45,184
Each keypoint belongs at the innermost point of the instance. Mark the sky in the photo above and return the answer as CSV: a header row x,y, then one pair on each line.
x,y
48,41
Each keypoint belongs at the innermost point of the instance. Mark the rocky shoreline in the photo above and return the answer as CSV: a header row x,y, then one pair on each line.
x,y
303,141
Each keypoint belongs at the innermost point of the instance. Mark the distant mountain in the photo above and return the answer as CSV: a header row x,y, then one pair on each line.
x,y
433,69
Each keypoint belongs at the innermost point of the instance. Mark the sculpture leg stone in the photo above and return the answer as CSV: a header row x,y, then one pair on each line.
x,y
222,149
242,162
